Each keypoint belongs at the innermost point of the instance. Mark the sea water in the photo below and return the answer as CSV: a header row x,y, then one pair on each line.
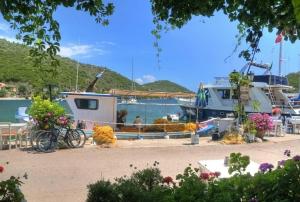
x,y
147,109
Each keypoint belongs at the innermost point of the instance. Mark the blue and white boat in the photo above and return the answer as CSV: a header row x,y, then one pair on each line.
x,y
218,99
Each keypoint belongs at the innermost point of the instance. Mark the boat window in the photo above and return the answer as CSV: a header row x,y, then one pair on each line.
x,y
91,104
224,93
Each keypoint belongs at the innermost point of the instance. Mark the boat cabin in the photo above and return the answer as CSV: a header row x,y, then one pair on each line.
x,y
92,108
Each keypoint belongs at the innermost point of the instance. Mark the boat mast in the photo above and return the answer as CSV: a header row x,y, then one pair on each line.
x,y
76,86
280,58
132,84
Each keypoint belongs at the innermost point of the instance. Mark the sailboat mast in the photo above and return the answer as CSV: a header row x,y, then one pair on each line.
x,y
132,84
280,58
76,86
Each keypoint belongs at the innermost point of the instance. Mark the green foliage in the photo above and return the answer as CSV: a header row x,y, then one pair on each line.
x,y
238,163
253,16
249,127
10,191
190,188
3,92
45,112
102,191
17,67
281,184
237,81
24,90
10,188
36,26
143,185
293,79
296,4
256,105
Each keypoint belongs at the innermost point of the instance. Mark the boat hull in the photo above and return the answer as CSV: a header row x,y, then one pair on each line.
x,y
191,113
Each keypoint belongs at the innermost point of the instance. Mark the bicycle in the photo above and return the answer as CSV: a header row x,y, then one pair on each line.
x,y
47,141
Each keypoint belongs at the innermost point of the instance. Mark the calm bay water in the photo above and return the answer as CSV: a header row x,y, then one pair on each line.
x,y
153,109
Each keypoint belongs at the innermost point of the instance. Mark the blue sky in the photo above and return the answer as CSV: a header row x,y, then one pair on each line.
x,y
191,55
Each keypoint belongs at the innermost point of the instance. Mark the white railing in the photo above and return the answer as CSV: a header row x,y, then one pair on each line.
x,y
12,135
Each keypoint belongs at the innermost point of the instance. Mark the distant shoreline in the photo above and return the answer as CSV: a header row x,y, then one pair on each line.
x,y
14,98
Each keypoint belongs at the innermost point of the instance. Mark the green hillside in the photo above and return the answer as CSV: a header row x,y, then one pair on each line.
x,y
294,79
16,67
164,85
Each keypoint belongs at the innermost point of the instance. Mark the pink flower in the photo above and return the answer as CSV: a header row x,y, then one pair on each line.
x,y
204,176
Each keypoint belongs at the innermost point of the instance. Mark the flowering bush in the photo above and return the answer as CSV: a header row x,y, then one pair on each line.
x,y
280,184
264,167
168,180
47,114
263,123
103,135
209,176
9,189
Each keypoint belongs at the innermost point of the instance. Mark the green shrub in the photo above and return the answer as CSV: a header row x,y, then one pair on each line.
x,y
281,184
47,114
10,191
10,188
3,92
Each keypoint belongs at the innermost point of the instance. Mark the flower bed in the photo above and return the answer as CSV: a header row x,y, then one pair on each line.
x,y
263,123
269,184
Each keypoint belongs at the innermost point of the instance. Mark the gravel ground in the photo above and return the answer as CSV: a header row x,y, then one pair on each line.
x,y
64,175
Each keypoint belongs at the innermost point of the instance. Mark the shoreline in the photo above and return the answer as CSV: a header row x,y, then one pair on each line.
x,y
14,98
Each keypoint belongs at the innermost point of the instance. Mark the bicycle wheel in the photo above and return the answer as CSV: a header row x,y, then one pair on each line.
x,y
46,141
33,136
73,138
76,138
82,137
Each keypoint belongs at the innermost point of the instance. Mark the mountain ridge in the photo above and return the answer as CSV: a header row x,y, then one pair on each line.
x,y
17,68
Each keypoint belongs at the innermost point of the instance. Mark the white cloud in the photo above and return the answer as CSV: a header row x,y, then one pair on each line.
x,y
10,39
139,81
149,78
145,79
71,50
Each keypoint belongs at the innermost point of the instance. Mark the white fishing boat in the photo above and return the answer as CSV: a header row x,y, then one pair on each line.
x,y
129,101
218,99
186,101
171,117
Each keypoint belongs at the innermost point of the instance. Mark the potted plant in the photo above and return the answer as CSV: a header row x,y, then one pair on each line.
x,y
249,130
263,123
47,114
